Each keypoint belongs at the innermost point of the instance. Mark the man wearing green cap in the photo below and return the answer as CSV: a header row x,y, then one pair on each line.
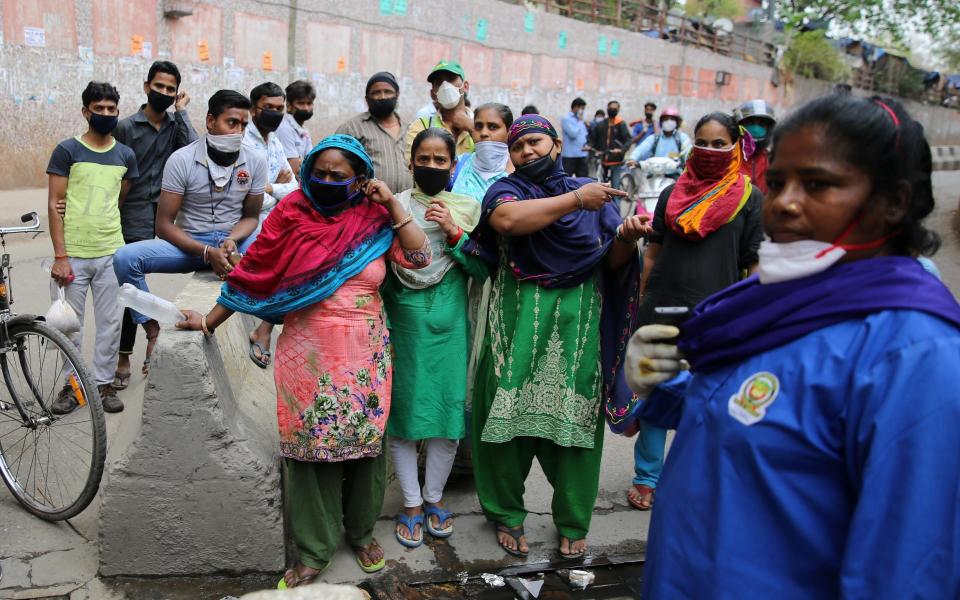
x,y
449,92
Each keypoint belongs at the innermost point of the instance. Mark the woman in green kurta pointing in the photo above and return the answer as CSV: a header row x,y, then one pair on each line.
x,y
559,248
429,330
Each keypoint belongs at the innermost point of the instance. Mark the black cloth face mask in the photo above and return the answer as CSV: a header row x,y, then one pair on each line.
x,y
224,159
302,116
103,124
269,120
159,102
539,169
431,181
612,112
382,107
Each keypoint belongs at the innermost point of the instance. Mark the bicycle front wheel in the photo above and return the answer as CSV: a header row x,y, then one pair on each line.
x,y
52,463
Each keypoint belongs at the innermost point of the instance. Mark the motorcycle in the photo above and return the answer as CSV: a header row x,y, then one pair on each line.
x,y
644,183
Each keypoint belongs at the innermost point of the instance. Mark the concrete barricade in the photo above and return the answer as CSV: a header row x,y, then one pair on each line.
x,y
199,489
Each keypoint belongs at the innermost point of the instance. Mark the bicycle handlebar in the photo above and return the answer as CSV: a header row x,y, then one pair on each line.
x,y
34,225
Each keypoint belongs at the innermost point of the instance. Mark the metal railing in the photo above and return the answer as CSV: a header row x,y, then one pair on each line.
x,y
638,16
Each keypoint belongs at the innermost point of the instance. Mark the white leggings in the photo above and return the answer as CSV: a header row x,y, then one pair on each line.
x,y
440,455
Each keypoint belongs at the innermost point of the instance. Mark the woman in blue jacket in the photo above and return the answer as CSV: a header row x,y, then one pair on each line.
x,y
817,452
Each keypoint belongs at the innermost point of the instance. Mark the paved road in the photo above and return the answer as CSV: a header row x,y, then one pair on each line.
x,y
62,558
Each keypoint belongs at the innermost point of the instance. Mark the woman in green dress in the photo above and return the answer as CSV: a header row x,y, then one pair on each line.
x,y
427,310
557,243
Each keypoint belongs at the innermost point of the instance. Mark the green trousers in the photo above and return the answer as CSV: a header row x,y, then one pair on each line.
x,y
500,471
320,495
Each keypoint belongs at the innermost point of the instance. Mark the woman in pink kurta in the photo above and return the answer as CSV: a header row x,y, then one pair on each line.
x,y
317,267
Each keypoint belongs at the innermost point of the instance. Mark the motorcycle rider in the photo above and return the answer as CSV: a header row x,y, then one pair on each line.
x,y
669,143
756,116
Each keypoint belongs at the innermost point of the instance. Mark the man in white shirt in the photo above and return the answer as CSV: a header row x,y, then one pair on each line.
x,y
293,135
267,114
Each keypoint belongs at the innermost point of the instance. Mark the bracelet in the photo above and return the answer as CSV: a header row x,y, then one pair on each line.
x,y
576,193
205,248
397,226
55,257
455,238
203,326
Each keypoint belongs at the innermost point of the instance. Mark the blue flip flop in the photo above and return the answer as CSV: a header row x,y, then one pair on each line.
x,y
410,523
432,510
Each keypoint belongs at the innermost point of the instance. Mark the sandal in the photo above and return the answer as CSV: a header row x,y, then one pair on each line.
x,y
377,566
432,510
644,491
573,555
298,579
410,523
262,361
516,533
121,380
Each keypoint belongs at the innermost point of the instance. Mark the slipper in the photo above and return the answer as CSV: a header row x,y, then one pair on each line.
x,y
410,523
121,380
516,534
306,580
432,510
573,555
377,566
264,354
643,489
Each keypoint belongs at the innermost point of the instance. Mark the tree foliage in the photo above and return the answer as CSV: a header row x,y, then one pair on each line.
x,y
729,9
873,19
810,54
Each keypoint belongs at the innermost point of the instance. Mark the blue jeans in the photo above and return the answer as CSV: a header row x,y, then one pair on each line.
x,y
648,454
615,173
133,261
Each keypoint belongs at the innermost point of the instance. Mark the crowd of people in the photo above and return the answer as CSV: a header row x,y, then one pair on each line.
x,y
460,277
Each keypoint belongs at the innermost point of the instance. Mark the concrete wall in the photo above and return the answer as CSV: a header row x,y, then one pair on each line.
x,y
511,56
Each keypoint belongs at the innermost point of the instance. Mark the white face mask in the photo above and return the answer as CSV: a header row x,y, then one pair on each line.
x,y
448,95
795,260
228,142
669,126
490,158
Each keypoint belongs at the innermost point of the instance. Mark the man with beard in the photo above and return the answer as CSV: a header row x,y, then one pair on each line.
x,y
756,116
381,132
291,133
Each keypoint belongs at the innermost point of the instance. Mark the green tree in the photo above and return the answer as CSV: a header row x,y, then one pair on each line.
x,y
874,19
810,54
729,9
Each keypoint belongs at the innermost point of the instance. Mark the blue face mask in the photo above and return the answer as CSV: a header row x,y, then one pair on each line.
x,y
331,196
757,130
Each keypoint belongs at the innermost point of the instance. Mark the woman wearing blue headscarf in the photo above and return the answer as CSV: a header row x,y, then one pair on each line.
x,y
317,267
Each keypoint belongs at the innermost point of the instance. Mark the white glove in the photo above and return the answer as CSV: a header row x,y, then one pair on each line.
x,y
649,364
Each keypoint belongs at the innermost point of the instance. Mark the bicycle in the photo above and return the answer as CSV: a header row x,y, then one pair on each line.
x,y
51,463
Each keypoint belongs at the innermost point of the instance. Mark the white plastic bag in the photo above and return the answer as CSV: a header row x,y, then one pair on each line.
x,y
61,316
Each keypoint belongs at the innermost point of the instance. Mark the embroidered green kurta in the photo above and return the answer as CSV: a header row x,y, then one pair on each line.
x,y
545,359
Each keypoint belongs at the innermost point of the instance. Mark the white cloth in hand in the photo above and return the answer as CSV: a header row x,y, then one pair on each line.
x,y
652,358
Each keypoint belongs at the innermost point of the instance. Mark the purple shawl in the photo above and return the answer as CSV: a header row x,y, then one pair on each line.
x,y
566,254
563,254
749,318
